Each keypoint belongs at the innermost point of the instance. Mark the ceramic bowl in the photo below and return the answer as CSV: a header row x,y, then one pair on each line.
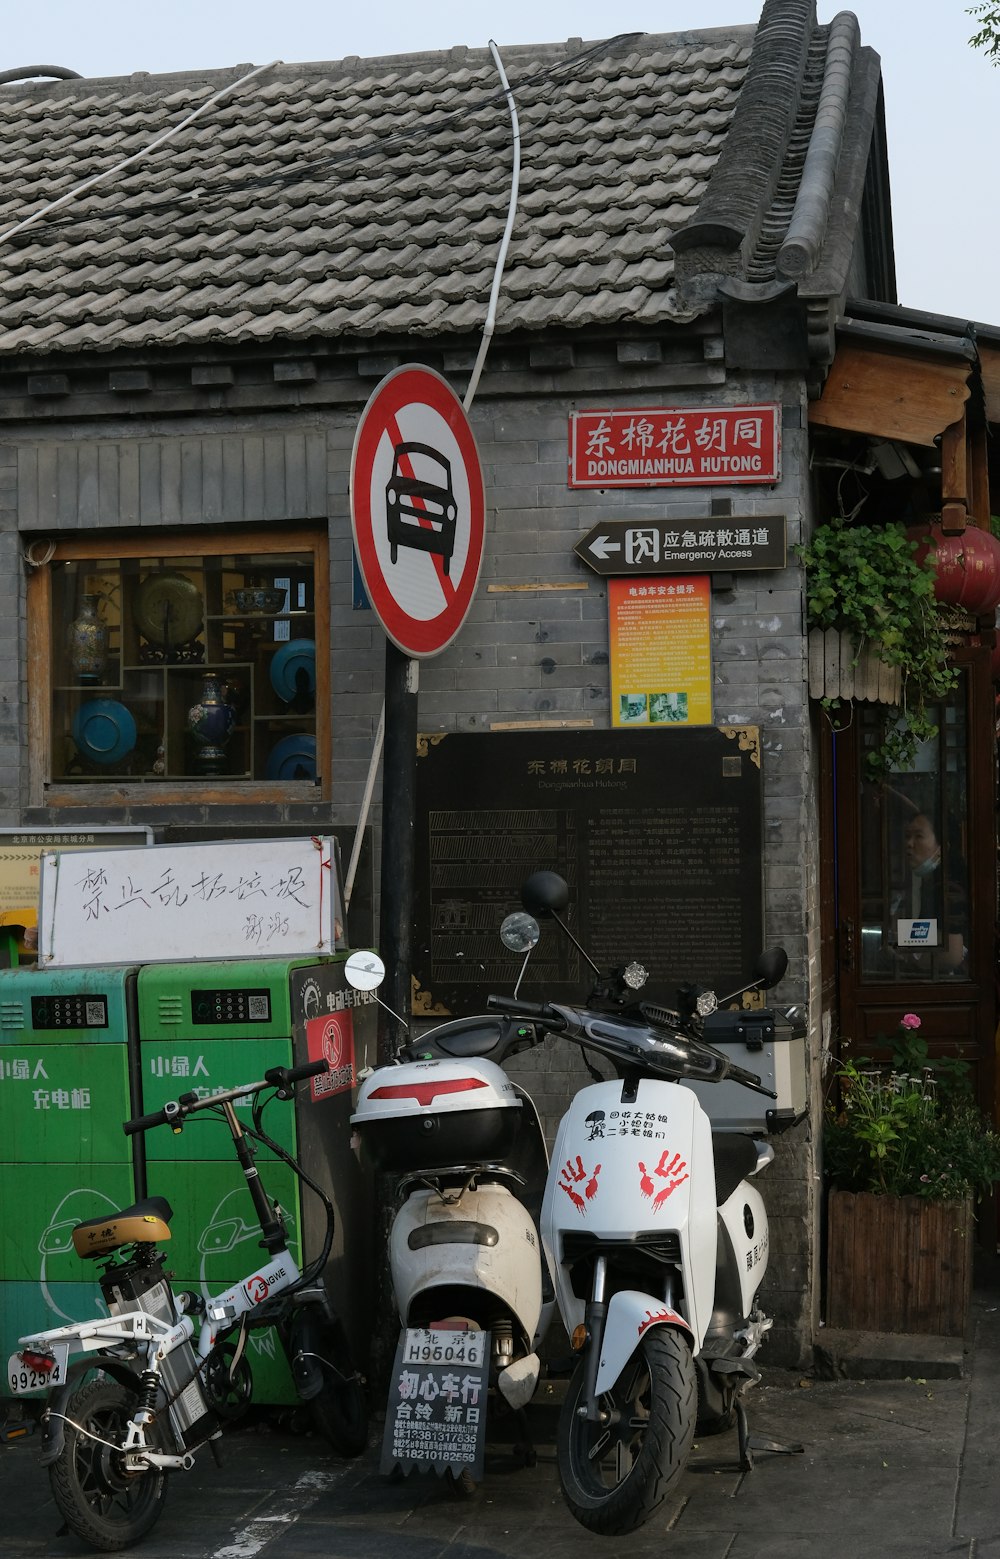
x,y
294,757
295,659
260,598
104,730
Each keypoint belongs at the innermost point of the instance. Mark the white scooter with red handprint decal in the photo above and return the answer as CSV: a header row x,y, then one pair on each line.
x,y
655,1237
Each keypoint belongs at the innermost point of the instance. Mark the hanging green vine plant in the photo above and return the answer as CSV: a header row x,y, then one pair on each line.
x,y
865,580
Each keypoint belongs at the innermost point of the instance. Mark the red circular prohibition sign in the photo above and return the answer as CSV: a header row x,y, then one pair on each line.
x,y
417,509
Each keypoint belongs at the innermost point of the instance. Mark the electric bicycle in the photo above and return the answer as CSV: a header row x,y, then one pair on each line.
x,y
170,1366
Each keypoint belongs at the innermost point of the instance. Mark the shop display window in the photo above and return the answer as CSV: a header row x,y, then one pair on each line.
x,y
167,665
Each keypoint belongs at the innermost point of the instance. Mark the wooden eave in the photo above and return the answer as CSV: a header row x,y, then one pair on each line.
x,y
912,395
989,371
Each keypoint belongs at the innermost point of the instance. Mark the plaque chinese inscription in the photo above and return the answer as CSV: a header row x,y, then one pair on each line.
x,y
657,832
675,446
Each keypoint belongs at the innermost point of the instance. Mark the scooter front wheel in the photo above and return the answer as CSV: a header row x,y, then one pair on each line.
x,y
103,1504
340,1409
615,1473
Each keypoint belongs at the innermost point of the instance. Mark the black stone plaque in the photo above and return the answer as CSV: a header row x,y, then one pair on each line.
x,y
657,833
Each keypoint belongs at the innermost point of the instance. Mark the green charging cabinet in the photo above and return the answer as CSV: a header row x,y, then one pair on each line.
x,y
67,1081
211,1025
82,1049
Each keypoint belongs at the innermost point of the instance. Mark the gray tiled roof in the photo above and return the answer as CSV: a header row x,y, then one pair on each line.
x,y
361,198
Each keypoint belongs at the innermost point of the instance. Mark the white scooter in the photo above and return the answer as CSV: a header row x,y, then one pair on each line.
x,y
657,1240
466,1147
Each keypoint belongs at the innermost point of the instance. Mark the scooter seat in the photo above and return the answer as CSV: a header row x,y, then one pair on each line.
x,y
143,1222
735,1158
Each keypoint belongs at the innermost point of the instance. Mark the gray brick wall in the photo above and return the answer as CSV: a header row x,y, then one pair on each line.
x,y
536,654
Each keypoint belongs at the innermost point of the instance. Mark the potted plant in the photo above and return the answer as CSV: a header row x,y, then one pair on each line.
x,y
906,1154
866,586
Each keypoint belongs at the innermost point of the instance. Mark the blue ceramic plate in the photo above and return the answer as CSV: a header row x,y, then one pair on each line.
x,y
298,655
294,757
104,730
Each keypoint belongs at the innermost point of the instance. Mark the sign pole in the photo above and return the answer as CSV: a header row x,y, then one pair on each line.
x,y
418,518
398,823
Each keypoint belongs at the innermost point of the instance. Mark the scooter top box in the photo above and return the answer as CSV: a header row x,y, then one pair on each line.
x,y
430,1114
774,1052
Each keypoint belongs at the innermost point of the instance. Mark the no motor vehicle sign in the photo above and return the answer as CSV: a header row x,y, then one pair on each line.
x,y
417,509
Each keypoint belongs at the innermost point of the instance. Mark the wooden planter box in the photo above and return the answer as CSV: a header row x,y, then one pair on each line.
x,y
898,1264
839,669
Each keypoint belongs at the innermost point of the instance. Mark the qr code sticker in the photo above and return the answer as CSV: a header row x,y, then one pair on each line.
x,y
95,1014
258,1009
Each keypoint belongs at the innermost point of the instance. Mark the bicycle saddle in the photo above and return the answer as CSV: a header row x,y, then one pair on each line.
x,y
143,1222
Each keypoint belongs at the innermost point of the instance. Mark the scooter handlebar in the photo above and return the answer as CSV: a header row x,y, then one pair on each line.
x,y
620,1046
539,1011
280,1078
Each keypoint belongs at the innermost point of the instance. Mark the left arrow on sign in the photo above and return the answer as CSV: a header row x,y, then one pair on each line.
x,y
602,546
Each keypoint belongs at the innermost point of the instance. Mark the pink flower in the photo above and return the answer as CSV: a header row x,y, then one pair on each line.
x,y
909,1020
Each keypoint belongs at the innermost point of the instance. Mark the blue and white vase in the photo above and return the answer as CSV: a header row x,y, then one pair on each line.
x,y
87,641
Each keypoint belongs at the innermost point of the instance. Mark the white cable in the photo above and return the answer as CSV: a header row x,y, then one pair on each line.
x,y
47,554
158,140
365,805
515,179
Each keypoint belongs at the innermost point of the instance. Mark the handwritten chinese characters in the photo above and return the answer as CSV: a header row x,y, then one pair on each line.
x,y
236,899
674,446
99,896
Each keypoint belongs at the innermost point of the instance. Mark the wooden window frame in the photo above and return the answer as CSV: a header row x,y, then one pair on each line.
x,y
44,791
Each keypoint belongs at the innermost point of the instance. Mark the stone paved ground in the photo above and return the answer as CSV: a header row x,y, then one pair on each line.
x,y
897,1469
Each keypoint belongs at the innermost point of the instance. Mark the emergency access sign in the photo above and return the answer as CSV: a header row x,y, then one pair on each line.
x,y
675,446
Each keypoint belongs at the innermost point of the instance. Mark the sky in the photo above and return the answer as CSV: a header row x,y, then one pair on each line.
x,y
942,97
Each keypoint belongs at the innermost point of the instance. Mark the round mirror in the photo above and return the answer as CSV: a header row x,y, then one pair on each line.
x,y
519,932
771,966
365,971
545,893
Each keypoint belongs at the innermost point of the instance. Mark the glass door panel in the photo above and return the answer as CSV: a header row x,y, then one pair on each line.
x,y
913,838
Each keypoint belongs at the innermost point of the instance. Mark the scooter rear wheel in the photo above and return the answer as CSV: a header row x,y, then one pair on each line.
x,y
615,1474
102,1503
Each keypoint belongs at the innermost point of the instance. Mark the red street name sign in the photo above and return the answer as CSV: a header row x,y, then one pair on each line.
x,y
675,446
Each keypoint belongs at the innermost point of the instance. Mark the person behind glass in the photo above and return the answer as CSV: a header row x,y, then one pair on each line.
x,y
928,895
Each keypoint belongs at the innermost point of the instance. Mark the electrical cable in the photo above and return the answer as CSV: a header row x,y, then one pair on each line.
x,y
97,178
321,169
515,181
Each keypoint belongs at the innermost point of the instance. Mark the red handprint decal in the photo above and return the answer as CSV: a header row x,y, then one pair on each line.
x,y
674,1174
571,1176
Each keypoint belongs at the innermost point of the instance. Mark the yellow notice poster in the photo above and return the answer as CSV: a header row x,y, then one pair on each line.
x,y
661,659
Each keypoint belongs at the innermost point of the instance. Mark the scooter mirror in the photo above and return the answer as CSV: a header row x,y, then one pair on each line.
x,y
771,966
365,971
520,932
545,893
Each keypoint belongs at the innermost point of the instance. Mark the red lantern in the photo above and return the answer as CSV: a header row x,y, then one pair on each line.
x,y
967,567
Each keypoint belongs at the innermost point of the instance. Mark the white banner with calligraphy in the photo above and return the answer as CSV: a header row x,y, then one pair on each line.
x,y
244,898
